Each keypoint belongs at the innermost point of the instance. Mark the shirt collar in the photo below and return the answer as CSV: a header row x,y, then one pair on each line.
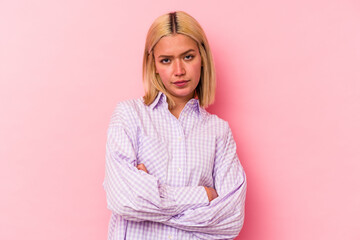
x,y
193,103
160,98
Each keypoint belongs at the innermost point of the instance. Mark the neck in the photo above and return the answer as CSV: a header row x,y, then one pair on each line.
x,y
179,106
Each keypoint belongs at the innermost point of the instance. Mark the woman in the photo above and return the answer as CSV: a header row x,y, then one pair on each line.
x,y
171,167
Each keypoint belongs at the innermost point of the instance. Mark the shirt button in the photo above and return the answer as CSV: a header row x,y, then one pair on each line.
x,y
180,138
179,169
170,237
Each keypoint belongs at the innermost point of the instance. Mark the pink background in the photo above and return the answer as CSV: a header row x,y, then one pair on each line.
x,y
288,84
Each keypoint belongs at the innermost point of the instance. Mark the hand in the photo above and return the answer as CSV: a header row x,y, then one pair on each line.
x,y
142,167
211,193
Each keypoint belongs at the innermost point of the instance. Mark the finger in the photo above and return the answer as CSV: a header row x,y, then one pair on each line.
x,y
142,167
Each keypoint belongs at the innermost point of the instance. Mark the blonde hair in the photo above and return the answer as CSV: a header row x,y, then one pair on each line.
x,y
178,23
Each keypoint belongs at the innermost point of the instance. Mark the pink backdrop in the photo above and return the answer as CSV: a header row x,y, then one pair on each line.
x,y
288,83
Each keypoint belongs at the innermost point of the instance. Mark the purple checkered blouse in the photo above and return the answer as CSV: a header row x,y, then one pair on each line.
x,y
181,155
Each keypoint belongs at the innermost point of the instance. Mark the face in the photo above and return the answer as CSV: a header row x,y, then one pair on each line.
x,y
178,63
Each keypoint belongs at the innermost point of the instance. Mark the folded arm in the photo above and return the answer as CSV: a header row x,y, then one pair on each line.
x,y
211,193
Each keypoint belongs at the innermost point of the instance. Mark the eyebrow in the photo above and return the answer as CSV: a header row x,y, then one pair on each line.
x,y
167,56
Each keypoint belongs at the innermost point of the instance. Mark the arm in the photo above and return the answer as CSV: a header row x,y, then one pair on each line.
x,y
211,193
223,218
132,193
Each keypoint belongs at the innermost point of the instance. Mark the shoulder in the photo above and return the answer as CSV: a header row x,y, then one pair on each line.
x,y
127,111
218,125
130,106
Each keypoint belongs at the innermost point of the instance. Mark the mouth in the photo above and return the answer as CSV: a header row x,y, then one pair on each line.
x,y
181,83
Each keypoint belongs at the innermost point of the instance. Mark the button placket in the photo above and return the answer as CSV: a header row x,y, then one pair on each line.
x,y
182,152
175,167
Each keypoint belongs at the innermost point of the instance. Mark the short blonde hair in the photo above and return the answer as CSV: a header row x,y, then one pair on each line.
x,y
178,23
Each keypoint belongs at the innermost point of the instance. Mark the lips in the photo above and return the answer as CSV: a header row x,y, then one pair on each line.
x,y
181,83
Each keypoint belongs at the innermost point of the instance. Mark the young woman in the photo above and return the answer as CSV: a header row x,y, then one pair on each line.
x,y
171,167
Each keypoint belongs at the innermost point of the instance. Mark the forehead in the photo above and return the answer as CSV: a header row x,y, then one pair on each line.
x,y
174,44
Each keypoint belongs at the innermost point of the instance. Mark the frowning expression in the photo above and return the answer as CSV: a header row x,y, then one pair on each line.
x,y
178,63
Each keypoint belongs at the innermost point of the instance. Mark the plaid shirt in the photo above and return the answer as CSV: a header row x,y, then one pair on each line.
x,y
181,155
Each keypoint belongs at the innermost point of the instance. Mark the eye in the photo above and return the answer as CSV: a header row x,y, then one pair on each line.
x,y
189,57
165,60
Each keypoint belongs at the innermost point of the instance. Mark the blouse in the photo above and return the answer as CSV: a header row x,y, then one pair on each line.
x,y
182,156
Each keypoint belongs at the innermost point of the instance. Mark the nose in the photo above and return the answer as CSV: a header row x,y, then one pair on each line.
x,y
179,69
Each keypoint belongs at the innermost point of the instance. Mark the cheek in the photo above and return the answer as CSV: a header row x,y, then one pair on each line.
x,y
197,70
164,74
